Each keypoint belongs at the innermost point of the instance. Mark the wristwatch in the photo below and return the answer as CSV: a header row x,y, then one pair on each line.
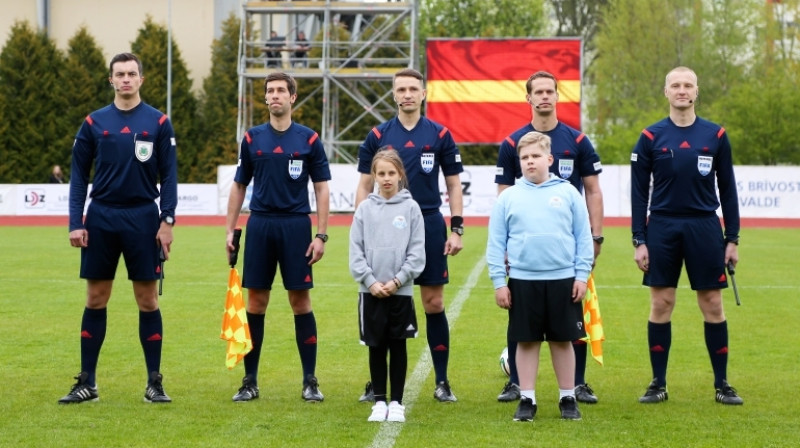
x,y
734,240
169,220
598,239
457,230
322,236
637,242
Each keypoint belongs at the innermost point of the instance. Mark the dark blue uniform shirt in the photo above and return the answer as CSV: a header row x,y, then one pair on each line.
x,y
132,150
425,150
574,156
684,163
280,164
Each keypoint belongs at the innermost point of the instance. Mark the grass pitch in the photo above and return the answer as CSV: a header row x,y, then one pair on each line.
x,y
42,298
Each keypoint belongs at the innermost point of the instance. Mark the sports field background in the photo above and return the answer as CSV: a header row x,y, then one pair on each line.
x,y
42,298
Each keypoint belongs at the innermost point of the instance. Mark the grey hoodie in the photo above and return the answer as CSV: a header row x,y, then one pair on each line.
x,y
387,240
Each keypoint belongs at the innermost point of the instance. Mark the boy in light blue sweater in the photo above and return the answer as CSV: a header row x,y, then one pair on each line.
x,y
540,237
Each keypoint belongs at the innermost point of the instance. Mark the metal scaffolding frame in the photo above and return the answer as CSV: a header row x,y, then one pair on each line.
x,y
354,74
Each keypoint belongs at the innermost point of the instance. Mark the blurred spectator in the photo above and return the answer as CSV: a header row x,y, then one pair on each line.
x,y
56,176
273,49
301,50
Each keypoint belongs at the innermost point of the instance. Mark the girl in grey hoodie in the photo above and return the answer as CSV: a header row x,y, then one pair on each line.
x,y
387,252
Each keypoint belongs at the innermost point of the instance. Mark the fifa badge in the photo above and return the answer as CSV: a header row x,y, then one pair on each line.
x,y
295,168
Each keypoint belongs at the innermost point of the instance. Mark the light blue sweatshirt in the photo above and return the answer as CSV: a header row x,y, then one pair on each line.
x,y
387,241
545,231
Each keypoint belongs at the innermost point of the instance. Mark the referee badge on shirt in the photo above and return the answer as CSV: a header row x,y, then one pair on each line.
x,y
704,164
144,150
426,162
565,167
295,168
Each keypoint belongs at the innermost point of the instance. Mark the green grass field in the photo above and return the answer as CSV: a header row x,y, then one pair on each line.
x,y
42,300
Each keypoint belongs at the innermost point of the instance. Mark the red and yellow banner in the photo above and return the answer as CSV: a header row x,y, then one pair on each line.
x,y
476,87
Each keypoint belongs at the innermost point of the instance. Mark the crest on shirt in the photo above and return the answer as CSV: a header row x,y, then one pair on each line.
x,y
565,167
704,164
426,162
295,168
144,150
400,222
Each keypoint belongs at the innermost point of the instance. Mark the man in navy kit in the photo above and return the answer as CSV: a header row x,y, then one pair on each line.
x,y
574,160
132,148
426,147
685,155
280,156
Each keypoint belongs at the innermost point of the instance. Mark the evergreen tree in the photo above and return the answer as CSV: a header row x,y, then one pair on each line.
x,y
84,82
31,106
219,106
151,47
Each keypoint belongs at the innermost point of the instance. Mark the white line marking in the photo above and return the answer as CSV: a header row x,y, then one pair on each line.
x,y
389,432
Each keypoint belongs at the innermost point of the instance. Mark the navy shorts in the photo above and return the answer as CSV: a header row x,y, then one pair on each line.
x,y
130,232
543,310
697,241
380,320
435,272
272,240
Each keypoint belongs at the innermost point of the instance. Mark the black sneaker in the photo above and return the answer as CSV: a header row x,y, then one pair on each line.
x,y
569,408
443,393
80,392
526,410
585,394
311,391
510,393
154,392
654,393
727,394
248,391
369,393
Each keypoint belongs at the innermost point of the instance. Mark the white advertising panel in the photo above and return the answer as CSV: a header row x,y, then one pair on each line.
x,y
764,192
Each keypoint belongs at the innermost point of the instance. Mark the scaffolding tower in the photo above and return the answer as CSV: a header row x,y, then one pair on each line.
x,y
352,67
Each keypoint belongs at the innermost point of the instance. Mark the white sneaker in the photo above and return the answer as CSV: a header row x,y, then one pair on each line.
x,y
397,412
379,412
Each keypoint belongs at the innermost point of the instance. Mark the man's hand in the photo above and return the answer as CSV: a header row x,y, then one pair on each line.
x,y
164,238
79,238
315,250
642,258
453,245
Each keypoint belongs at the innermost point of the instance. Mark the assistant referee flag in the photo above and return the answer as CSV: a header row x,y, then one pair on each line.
x,y
235,328
593,321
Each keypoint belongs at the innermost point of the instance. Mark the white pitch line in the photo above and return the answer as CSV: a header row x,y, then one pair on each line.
x,y
389,432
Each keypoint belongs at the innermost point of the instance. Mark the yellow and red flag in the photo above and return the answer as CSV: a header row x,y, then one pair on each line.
x,y
235,328
476,87
593,321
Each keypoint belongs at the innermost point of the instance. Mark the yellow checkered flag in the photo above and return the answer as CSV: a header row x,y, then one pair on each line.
x,y
235,328
593,321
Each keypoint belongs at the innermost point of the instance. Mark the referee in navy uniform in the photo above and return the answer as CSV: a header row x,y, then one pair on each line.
x,y
131,146
280,157
426,148
688,158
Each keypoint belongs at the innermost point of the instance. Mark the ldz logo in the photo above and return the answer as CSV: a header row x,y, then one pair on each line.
x,y
34,198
